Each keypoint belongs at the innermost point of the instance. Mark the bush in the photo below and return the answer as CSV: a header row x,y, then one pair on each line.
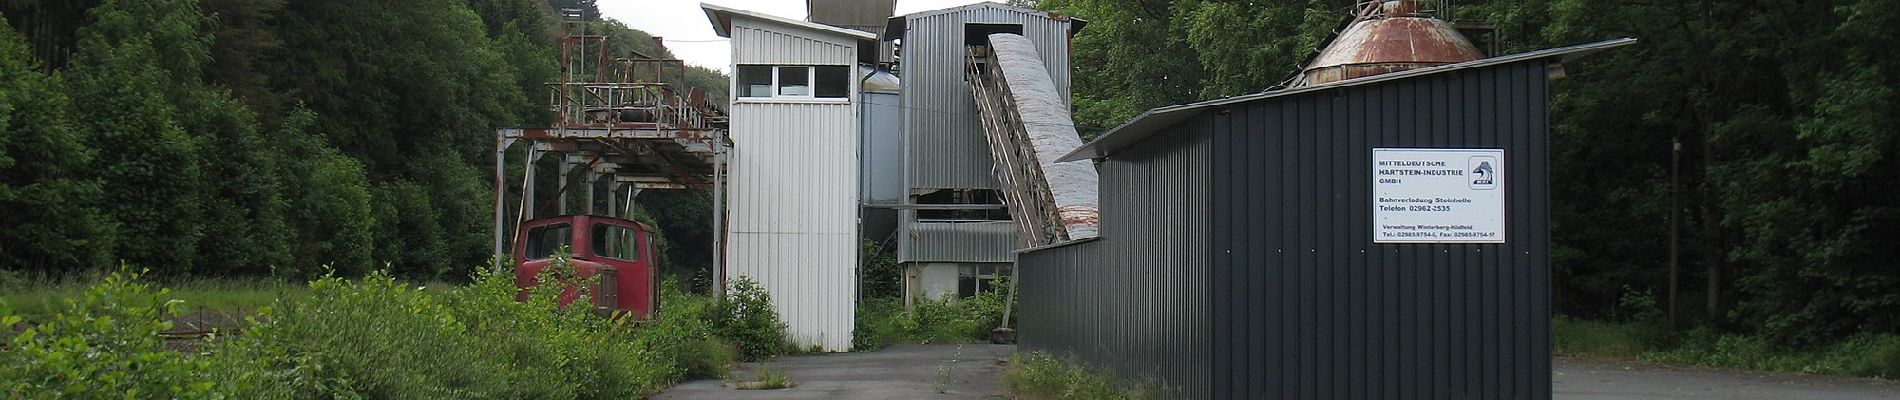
x,y
105,344
882,322
1038,375
746,317
1879,356
372,338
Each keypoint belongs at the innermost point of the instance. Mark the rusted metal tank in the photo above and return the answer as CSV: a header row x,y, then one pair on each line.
x,y
1388,36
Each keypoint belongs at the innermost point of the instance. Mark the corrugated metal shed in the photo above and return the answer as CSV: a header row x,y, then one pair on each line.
x,y
993,241
946,147
1299,302
794,181
1135,300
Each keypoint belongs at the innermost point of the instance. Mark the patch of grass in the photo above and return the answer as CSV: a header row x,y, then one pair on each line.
x,y
1585,338
1870,355
766,379
1040,376
38,297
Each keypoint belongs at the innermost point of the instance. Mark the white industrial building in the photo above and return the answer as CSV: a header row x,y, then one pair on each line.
x,y
831,151
793,207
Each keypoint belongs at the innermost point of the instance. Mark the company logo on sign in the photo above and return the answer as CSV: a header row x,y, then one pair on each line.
x,y
1483,175
1438,195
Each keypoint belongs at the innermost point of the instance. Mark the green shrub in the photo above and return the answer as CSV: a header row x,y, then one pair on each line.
x,y
746,318
698,350
882,322
105,344
1878,356
1037,376
372,338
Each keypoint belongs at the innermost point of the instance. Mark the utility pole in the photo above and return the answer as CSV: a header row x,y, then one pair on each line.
x,y
1675,224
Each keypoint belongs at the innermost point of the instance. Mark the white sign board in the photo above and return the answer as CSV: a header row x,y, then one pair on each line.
x,y
1438,195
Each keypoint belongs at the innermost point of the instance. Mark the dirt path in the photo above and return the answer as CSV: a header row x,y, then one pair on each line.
x,y
1578,379
938,371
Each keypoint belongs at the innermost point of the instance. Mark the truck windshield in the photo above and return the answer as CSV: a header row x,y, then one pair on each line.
x,y
544,240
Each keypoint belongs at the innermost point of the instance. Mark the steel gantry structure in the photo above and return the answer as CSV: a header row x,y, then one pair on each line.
x,y
622,116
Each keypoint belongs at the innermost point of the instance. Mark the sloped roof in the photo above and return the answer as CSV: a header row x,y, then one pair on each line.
x,y
894,29
721,18
1155,120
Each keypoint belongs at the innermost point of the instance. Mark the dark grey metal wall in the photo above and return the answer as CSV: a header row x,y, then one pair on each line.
x,y
1136,300
1306,306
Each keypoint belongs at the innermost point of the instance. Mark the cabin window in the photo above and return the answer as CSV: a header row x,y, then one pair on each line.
x,y
616,242
545,240
795,81
833,81
755,81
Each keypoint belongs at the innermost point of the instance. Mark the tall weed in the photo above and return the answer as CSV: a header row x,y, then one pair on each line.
x,y
376,337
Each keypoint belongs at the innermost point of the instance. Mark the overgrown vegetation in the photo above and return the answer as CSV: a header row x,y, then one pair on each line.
x,y
746,318
372,338
1638,330
1040,376
35,296
882,320
1870,355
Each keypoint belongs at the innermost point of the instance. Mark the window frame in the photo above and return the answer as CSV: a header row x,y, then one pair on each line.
x,y
811,85
604,230
528,245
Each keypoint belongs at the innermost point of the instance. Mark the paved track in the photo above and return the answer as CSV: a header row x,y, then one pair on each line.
x,y
939,371
970,371
1577,379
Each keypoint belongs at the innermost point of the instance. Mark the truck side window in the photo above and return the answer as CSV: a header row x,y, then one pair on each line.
x,y
544,240
615,241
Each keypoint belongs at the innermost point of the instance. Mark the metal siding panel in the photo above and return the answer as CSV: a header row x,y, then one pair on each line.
x,y
794,213
770,44
1134,301
1366,320
795,190
947,148
1333,314
986,242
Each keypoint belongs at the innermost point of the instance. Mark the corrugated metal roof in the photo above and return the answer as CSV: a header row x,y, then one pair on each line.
x,y
894,28
721,18
850,12
1154,120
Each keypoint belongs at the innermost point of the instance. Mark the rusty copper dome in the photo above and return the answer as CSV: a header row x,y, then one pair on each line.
x,y
1389,36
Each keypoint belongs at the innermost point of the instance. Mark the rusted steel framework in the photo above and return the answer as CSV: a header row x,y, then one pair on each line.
x,y
626,117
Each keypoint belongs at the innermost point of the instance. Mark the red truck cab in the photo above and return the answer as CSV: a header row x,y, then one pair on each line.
x,y
623,249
